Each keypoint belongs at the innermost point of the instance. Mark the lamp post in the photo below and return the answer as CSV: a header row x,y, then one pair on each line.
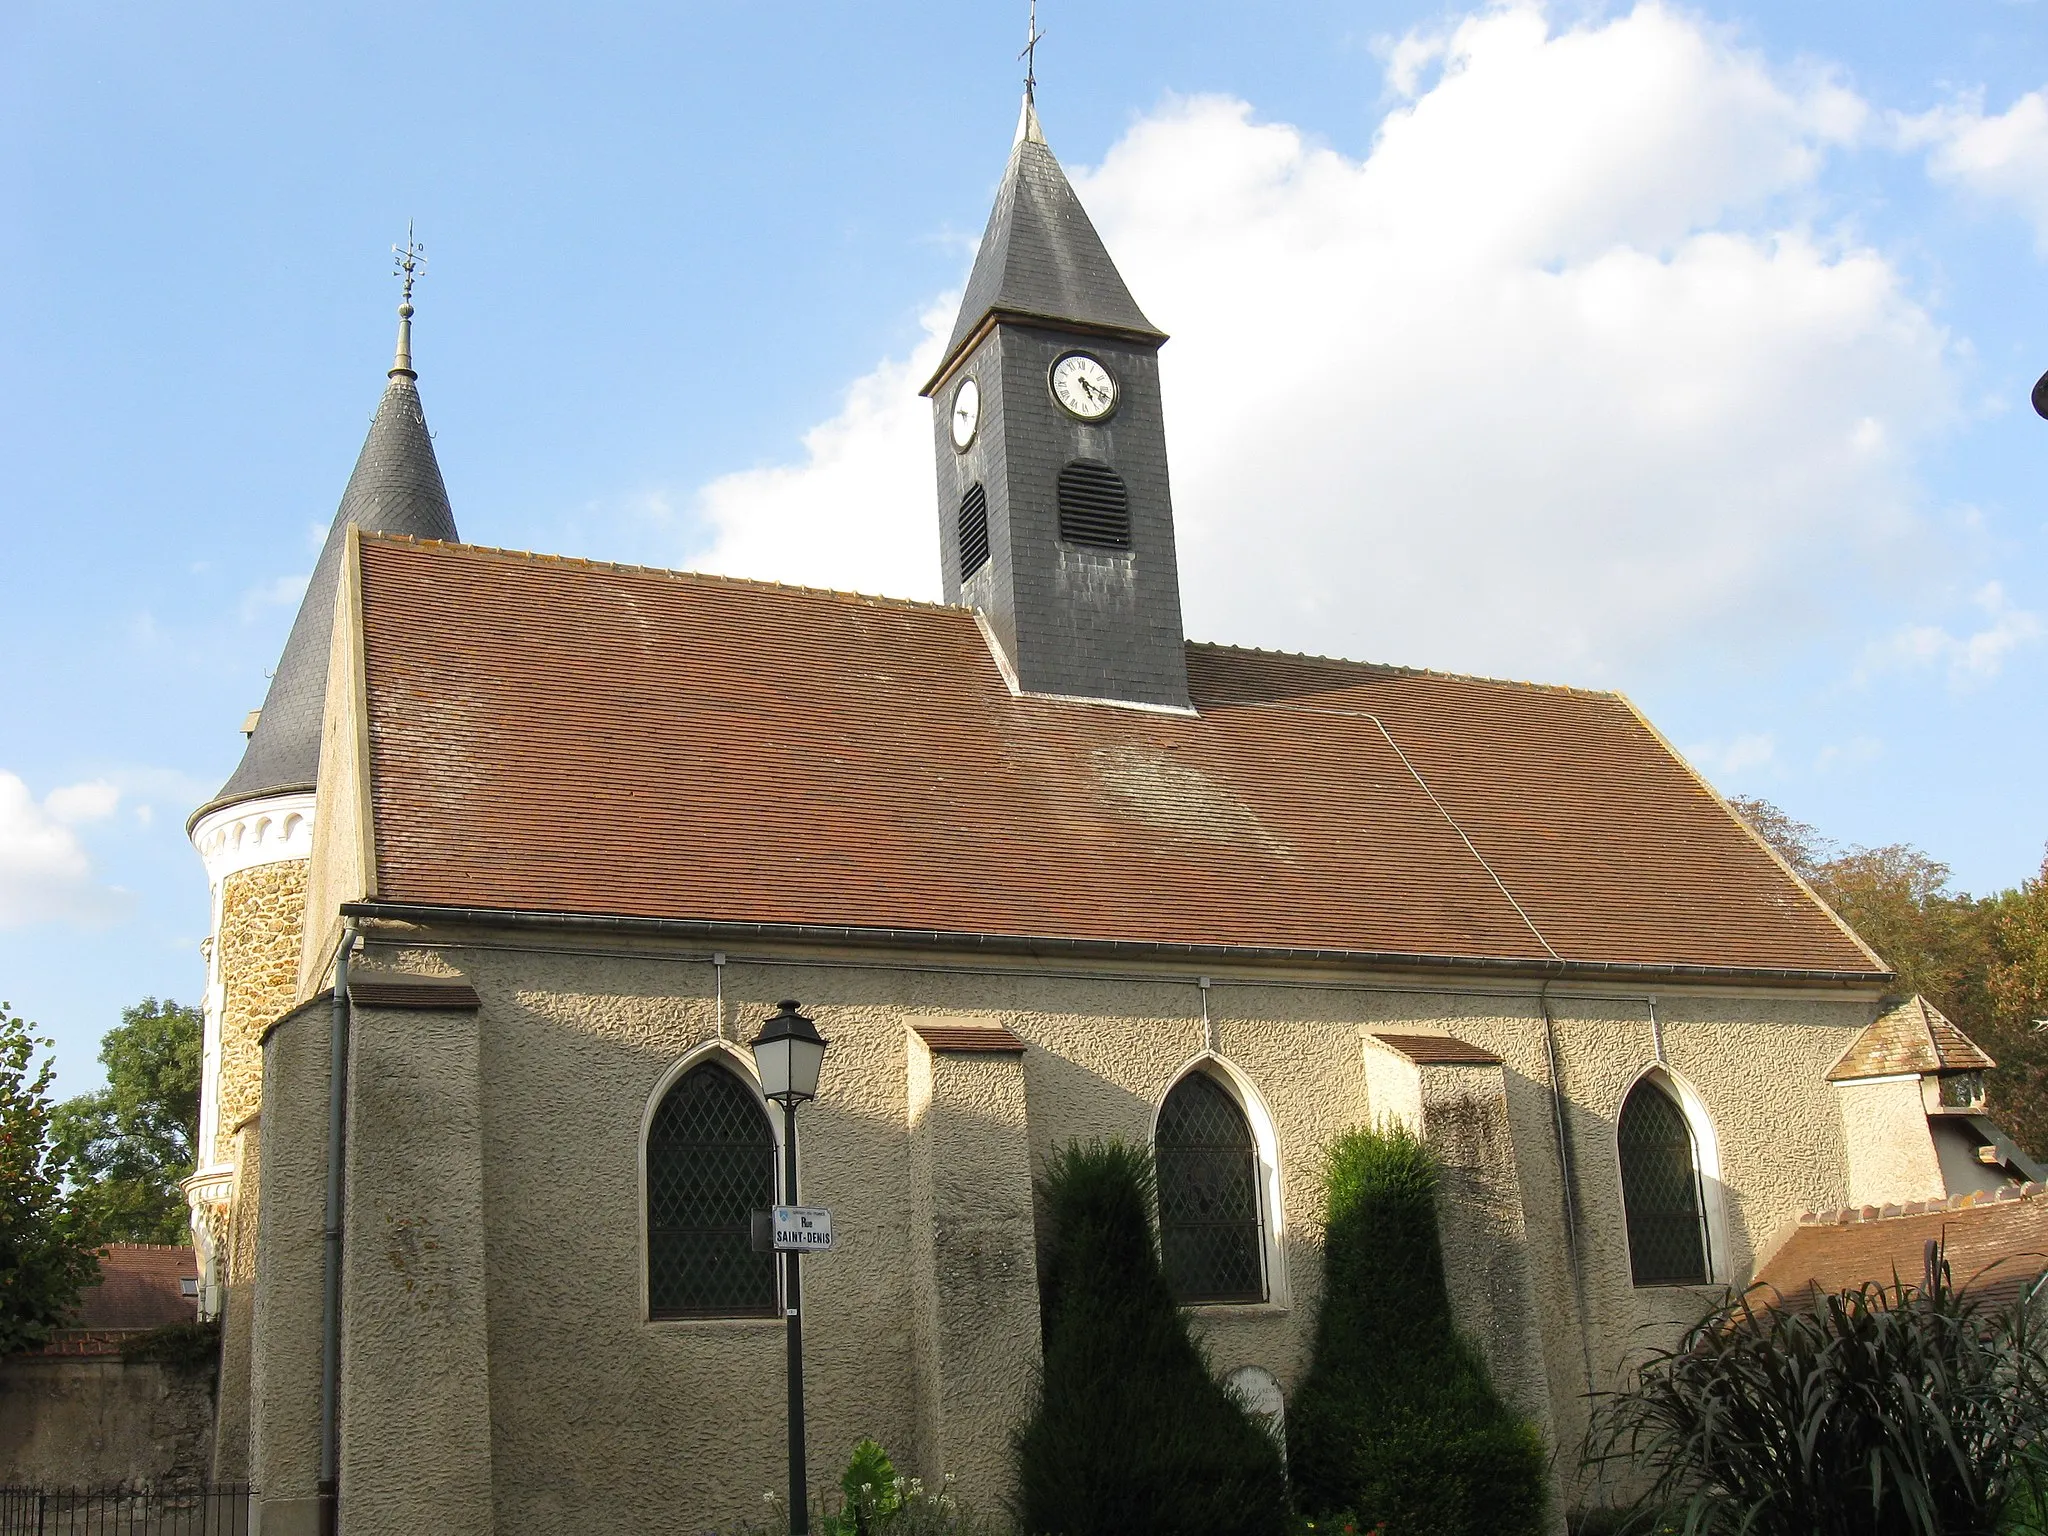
x,y
788,1053
2041,395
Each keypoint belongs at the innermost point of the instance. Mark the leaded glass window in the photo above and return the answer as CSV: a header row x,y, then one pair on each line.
x,y
1660,1190
1209,1233
710,1166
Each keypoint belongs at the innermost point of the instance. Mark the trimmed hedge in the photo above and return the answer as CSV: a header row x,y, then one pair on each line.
x,y
1131,1435
1397,1422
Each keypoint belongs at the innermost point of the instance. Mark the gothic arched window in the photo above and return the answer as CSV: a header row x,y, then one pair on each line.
x,y
1210,1237
1660,1189
710,1166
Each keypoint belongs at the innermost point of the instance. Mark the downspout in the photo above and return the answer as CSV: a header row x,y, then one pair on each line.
x,y
330,1302
1566,1180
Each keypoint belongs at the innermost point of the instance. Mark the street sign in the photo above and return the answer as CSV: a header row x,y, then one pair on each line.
x,y
803,1229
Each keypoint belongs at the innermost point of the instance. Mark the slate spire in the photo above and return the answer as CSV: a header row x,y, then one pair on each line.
x,y
396,488
1049,431
1041,258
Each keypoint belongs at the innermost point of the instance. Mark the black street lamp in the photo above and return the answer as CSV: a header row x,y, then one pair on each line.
x,y
788,1054
2041,395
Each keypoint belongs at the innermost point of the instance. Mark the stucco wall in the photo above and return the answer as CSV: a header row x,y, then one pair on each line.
x,y
284,1365
413,1295
1892,1156
973,1263
598,1414
74,1422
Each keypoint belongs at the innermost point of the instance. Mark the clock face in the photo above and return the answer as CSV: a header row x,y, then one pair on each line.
x,y
1083,386
966,412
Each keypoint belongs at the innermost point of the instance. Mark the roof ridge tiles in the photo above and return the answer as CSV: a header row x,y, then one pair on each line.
x,y
719,578
1407,671
1851,1215
675,573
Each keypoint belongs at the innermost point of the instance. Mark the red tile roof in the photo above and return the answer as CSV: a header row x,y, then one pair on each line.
x,y
1914,1036
968,1038
562,737
1439,1051
1996,1246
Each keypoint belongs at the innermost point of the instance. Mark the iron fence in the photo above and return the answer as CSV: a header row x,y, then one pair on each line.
x,y
124,1512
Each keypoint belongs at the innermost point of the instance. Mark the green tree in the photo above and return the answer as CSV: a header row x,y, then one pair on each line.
x,y
1983,961
1131,1435
2018,983
125,1148
1397,1423
45,1259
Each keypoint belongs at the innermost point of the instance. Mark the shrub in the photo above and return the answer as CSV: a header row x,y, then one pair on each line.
x,y
1397,1421
870,1492
875,1501
190,1347
1893,1409
1131,1435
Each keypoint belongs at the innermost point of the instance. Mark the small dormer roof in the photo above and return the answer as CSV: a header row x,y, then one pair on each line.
x,y
1910,1036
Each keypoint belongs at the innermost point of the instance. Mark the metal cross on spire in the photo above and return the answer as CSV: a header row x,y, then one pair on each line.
x,y
1032,38
407,262
1027,120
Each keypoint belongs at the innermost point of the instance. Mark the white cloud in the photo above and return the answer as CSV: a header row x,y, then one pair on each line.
x,y
1555,381
276,592
2002,158
74,803
857,512
1848,754
1969,659
45,872
1726,759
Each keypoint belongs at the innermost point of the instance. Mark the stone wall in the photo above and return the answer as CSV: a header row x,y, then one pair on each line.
x,y
262,912
76,1421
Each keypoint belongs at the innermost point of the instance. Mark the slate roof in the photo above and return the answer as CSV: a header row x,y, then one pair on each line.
x,y
1913,1036
1996,1245
395,488
1041,258
557,736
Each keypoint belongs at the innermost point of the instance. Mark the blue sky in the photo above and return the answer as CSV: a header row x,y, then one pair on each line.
x,y
1683,351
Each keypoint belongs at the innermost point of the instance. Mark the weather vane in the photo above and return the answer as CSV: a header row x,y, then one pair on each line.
x,y
409,260
1033,37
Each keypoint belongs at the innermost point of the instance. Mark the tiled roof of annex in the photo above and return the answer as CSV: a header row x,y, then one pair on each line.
x,y
1913,1036
559,736
1996,1245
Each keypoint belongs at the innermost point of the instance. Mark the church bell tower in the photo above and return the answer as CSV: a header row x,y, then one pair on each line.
x,y
1055,517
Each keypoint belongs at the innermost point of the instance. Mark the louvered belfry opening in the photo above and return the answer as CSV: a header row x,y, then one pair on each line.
x,y
1660,1190
1209,1234
710,1166
1094,507
973,530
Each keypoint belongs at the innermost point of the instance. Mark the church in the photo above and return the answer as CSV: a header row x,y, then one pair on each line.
x,y
523,850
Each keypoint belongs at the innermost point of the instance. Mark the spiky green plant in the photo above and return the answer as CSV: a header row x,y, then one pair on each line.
x,y
1879,1411
1131,1436
1397,1421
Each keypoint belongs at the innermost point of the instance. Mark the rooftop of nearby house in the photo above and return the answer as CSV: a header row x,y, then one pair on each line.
x,y
1996,1245
141,1286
